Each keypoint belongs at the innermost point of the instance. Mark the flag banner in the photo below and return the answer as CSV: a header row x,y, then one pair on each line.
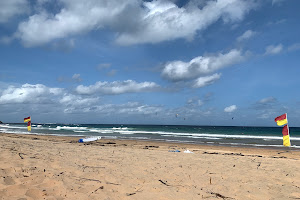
x,y
285,130
29,126
286,136
281,120
286,141
27,119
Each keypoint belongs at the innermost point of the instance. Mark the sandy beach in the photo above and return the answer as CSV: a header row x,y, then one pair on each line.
x,y
51,167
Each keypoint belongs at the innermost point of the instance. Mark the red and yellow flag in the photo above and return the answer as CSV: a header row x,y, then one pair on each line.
x,y
28,120
286,136
29,126
281,120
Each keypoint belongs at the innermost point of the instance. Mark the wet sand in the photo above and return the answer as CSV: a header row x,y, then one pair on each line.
x,y
52,167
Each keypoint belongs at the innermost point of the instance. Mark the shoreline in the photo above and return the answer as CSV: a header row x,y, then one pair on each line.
x,y
58,167
161,141
257,137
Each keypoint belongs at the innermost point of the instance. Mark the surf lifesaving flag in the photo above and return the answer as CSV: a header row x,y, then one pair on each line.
x,y
28,120
281,120
286,136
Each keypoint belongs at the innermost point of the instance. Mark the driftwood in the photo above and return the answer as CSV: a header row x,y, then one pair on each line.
x,y
164,183
129,194
88,179
220,195
101,187
20,154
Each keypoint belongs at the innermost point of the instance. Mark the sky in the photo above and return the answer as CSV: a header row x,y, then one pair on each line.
x,y
170,62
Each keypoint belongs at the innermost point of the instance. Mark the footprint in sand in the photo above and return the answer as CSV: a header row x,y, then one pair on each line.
x,y
13,191
35,194
8,180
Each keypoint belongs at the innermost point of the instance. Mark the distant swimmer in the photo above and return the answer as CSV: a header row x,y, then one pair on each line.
x,y
232,118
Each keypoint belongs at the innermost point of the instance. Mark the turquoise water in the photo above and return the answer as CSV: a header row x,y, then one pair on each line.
x,y
211,135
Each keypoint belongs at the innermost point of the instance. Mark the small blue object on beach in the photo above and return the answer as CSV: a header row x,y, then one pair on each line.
x,y
174,150
80,140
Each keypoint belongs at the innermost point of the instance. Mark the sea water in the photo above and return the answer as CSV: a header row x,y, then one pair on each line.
x,y
210,135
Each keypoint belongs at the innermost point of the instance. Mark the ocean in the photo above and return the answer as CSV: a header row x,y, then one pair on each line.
x,y
209,135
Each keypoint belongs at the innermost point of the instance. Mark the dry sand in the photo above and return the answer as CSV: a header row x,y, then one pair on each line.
x,y
49,167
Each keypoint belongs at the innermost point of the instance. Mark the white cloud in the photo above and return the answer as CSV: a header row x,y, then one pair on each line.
x,y
206,80
267,100
195,102
11,8
117,87
134,21
271,49
76,100
136,108
277,1
294,47
76,17
76,103
76,78
130,108
230,108
28,93
163,20
200,103
266,104
280,21
267,107
248,34
202,65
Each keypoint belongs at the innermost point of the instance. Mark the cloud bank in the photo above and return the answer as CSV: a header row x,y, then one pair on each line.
x,y
28,93
230,109
272,49
12,8
201,66
246,35
117,87
131,21
207,80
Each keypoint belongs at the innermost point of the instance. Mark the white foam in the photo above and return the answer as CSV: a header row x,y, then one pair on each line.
x,y
126,132
201,135
69,128
101,130
120,128
13,127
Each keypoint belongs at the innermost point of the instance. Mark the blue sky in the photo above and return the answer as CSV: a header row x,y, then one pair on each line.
x,y
197,62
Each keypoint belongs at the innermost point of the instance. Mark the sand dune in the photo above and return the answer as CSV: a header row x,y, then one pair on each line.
x,y
49,167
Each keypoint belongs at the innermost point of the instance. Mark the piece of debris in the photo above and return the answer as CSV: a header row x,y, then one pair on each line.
x,y
188,151
174,150
129,194
164,183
